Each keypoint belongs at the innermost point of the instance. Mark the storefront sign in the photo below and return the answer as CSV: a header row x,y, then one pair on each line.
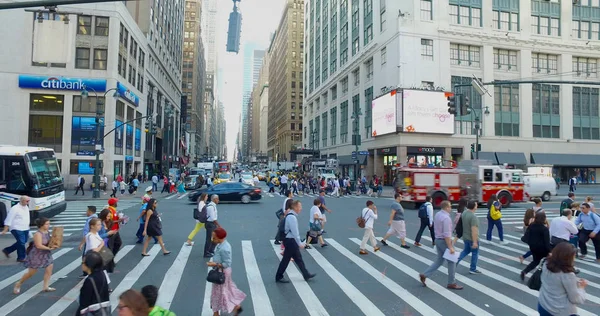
x,y
61,83
85,167
388,151
126,94
129,158
426,150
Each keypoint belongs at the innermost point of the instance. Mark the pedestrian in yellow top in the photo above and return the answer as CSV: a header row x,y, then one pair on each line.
x,y
201,204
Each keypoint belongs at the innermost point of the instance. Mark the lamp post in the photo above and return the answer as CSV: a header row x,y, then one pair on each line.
x,y
169,112
277,155
98,147
356,141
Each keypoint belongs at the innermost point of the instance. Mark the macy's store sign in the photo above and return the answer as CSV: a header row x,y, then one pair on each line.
x,y
61,83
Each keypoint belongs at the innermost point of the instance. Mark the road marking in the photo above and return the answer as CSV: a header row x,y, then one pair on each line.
x,y
62,217
466,281
173,277
206,310
512,269
73,295
37,288
12,279
356,296
590,251
132,277
419,306
66,221
181,197
170,196
308,297
260,298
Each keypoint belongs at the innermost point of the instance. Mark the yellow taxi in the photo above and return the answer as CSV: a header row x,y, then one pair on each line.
x,y
222,178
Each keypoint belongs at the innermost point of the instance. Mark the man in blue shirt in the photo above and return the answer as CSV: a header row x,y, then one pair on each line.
x,y
292,244
591,227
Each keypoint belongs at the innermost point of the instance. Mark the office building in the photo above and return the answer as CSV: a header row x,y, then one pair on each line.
x,y
211,42
380,45
260,106
285,83
252,63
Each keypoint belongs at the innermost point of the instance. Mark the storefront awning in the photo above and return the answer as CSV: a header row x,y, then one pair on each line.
x,y
485,155
567,160
511,158
348,160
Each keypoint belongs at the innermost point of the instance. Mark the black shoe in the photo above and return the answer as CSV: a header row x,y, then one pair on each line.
x,y
282,280
309,276
577,271
383,242
277,242
405,246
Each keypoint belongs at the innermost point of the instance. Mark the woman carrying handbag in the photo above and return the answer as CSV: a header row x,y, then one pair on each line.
x,y
94,296
225,296
537,236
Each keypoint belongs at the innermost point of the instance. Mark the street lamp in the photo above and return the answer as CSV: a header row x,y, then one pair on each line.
x,y
98,146
169,113
356,141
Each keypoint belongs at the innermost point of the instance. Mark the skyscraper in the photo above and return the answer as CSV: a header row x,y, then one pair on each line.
x,y
210,41
252,63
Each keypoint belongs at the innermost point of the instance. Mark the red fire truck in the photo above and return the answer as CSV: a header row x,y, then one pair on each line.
x,y
472,179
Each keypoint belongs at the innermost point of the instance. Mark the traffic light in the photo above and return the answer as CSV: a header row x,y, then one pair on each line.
x,y
452,104
147,126
472,147
465,106
154,129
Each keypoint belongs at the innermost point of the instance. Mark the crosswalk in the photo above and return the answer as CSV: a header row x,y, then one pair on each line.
x,y
73,218
381,283
266,194
513,217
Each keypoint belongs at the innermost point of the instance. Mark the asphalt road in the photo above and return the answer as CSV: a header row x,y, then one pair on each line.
x,y
384,283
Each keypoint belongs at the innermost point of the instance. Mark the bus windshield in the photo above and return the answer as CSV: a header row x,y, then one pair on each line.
x,y
45,172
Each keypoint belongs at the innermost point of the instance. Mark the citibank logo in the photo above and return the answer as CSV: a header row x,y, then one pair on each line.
x,y
129,95
57,83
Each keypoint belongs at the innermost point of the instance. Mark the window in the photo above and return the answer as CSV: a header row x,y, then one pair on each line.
x,y
546,110
426,10
506,21
383,56
356,76
581,29
355,46
101,26
87,105
585,105
84,25
585,67
465,15
506,101
505,59
345,85
46,121
333,93
82,58
369,68
100,58
382,21
368,34
465,55
544,63
543,25
426,49
344,57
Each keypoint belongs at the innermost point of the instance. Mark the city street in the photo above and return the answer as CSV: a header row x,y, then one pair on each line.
x,y
384,283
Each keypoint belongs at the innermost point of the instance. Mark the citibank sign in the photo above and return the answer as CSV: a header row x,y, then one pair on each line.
x,y
61,83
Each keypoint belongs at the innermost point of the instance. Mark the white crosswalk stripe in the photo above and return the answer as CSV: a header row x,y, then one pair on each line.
x,y
338,267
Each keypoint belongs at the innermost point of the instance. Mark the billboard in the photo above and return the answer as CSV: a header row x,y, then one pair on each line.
x,y
426,112
129,136
119,134
383,114
83,131
138,139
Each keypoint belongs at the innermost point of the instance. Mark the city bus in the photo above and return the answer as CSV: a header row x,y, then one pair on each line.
x,y
31,171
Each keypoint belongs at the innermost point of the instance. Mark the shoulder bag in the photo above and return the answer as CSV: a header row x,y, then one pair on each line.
x,y
535,281
106,254
101,308
216,276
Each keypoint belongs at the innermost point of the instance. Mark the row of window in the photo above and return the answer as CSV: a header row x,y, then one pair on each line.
x,y
100,25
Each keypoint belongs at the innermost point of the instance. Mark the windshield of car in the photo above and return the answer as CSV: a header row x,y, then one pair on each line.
x,y
224,176
190,179
45,172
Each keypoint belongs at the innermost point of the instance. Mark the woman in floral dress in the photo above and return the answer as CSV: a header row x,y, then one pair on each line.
x,y
225,297
39,256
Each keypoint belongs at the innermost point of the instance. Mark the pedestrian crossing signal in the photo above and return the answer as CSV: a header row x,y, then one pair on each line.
x,y
452,104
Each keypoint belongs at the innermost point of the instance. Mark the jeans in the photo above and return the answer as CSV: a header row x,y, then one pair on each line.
x,y
474,254
527,254
491,224
209,246
21,237
154,187
440,247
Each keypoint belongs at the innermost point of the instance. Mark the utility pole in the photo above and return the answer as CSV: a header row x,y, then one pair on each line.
x,y
356,141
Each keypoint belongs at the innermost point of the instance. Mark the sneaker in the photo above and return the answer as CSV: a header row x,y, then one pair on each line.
x,y
383,242
405,246
504,242
475,272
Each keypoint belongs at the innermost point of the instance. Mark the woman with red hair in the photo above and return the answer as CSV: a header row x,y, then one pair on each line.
x,y
225,297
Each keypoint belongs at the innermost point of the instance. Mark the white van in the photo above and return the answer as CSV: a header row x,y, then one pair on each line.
x,y
540,186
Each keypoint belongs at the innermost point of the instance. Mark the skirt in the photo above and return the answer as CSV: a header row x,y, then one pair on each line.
x,y
225,297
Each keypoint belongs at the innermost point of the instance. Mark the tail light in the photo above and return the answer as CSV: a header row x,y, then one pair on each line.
x,y
257,191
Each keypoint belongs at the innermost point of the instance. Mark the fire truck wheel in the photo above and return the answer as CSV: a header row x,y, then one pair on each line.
x,y
437,198
505,198
546,196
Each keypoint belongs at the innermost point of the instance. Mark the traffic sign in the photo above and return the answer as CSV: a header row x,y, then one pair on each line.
x,y
362,153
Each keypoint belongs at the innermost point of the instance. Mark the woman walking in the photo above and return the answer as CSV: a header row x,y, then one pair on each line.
x,y
527,220
494,218
537,237
457,224
315,230
153,228
201,204
95,281
224,297
107,233
561,289
39,256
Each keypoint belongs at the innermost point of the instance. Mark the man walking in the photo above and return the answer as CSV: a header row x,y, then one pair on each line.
x,y
443,241
470,236
426,216
292,245
283,184
154,183
17,221
210,225
396,223
369,214
80,184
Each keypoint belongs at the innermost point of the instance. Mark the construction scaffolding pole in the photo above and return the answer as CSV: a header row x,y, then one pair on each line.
x,y
47,3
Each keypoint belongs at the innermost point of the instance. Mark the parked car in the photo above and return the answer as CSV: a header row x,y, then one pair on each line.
x,y
193,182
230,192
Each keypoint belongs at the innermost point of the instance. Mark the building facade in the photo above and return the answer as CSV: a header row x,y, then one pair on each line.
x,y
252,66
210,40
162,24
45,104
364,48
194,77
259,106
286,83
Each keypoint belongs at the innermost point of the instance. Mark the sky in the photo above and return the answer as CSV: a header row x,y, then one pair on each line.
x,y
259,19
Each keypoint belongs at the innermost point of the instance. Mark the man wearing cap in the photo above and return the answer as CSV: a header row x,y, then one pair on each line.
x,y
115,242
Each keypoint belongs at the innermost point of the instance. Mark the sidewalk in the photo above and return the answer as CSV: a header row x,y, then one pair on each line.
x,y
70,193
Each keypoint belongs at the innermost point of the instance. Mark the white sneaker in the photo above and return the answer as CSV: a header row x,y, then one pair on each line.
x,y
504,242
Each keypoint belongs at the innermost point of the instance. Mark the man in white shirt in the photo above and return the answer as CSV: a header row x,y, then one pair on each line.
x,y
211,224
17,221
369,214
80,184
283,184
336,188
154,183
561,228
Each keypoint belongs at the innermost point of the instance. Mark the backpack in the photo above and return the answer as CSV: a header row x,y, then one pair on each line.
x,y
459,228
423,210
564,205
82,180
495,213
202,215
281,227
